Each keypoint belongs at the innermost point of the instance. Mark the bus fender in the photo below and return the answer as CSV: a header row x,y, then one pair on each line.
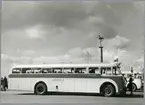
x,y
109,82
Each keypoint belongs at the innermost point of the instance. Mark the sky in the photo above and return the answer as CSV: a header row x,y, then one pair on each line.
x,y
37,32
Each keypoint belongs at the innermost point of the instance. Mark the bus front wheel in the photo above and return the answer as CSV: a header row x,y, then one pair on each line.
x,y
134,87
108,90
40,89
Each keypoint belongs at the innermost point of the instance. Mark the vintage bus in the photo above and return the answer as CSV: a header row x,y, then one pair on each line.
x,y
105,79
137,79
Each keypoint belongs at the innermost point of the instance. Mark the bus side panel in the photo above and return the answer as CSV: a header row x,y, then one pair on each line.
x,y
68,85
50,82
13,83
24,83
80,84
19,83
93,85
33,82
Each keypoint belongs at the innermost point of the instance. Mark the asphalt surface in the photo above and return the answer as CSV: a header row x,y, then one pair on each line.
x,y
69,98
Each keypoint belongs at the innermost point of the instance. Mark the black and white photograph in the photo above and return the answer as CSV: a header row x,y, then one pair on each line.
x,y
78,52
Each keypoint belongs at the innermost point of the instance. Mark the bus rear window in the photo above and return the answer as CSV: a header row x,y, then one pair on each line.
x,y
16,70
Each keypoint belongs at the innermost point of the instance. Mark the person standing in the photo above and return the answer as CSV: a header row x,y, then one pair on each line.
x,y
2,87
5,83
131,85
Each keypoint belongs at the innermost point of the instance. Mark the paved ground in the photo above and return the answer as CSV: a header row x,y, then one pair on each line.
x,y
62,98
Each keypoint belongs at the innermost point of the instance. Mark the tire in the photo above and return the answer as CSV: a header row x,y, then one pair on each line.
x,y
40,89
134,87
108,90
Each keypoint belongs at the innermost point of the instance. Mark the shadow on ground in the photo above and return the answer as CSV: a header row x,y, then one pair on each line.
x,y
135,95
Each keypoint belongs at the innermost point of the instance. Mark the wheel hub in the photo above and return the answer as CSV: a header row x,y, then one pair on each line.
x,y
107,90
40,89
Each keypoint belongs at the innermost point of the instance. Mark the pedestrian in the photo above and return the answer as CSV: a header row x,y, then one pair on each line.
x,y
6,83
130,85
2,84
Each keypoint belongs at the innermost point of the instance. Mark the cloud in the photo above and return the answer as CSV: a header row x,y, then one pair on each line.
x,y
67,32
25,52
16,14
6,58
103,18
76,52
140,60
33,32
138,63
118,42
111,55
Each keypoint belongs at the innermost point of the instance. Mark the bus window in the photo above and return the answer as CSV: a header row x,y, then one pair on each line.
x,y
94,70
16,70
68,70
57,70
36,70
103,70
46,70
80,70
26,70
108,71
115,71
97,70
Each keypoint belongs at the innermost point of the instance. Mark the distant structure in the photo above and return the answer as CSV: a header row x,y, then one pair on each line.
x,y
101,47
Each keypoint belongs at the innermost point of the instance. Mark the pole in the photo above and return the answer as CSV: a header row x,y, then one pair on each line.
x,y
101,48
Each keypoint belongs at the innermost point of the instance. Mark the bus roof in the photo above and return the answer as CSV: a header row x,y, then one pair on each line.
x,y
65,65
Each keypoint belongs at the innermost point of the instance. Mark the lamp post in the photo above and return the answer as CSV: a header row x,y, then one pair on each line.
x,y
101,48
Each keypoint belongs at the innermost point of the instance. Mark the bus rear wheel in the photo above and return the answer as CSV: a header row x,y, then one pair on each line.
x,y
108,90
40,89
